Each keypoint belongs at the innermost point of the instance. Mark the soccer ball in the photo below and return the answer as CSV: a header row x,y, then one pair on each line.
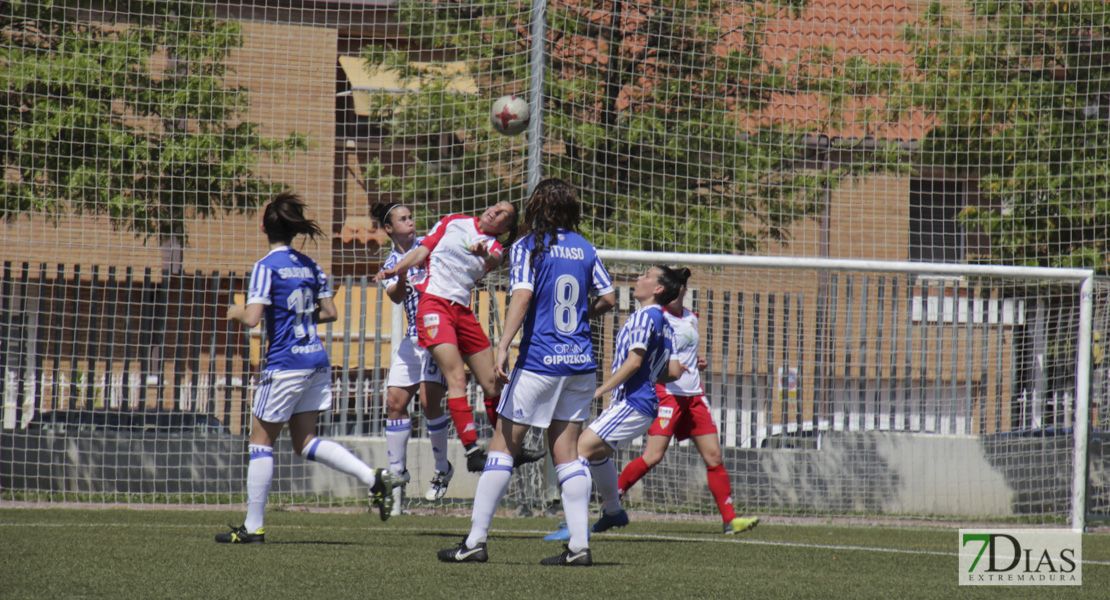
x,y
509,115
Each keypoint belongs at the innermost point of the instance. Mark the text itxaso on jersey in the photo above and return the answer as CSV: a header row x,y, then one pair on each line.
x,y
556,339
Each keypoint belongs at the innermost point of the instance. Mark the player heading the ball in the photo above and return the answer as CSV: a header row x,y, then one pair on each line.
x,y
456,254
558,284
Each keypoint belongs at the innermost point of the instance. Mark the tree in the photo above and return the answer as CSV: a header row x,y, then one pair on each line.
x,y
1021,95
130,120
1022,100
650,108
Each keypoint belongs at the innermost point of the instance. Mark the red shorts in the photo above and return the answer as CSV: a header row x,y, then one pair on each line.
x,y
682,417
440,321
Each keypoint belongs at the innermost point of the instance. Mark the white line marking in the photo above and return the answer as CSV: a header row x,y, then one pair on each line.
x,y
640,536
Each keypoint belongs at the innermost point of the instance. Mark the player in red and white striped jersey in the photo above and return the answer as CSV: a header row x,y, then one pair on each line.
x,y
457,253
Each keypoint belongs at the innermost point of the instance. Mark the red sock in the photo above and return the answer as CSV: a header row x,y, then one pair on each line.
x,y
722,491
463,418
632,473
491,410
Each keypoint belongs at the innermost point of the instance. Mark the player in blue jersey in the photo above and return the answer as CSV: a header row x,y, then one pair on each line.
x,y
554,271
293,293
684,413
642,357
412,367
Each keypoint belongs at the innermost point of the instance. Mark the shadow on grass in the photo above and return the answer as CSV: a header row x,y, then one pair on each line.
x,y
533,536
311,543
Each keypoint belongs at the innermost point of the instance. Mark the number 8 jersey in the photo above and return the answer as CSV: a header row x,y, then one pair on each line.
x,y
556,338
289,283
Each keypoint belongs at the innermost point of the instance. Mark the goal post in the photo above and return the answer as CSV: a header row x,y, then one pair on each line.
x,y
804,352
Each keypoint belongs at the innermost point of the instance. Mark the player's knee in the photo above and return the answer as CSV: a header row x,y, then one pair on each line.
x,y
455,380
490,389
301,446
712,459
396,407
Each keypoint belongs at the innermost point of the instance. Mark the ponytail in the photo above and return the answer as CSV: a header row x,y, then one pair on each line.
x,y
672,280
284,218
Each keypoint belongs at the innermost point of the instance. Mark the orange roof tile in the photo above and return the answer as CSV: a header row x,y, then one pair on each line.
x,y
850,28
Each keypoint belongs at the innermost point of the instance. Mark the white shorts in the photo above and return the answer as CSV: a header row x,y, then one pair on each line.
x,y
536,400
620,423
411,365
283,393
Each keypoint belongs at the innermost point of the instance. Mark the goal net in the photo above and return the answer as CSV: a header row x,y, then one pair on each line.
x,y
140,139
883,388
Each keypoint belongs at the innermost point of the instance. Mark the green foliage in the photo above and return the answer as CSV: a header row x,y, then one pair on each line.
x,y
1022,100
642,112
132,120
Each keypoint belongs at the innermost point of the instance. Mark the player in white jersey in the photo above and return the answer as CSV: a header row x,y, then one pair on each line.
x,y
412,367
457,253
684,413
293,293
554,270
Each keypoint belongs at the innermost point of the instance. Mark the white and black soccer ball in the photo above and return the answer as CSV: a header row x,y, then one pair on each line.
x,y
509,115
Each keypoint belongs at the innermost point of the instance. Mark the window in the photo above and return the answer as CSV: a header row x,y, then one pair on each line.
x,y
935,235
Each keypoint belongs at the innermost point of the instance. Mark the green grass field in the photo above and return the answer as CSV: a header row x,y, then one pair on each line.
x,y
65,553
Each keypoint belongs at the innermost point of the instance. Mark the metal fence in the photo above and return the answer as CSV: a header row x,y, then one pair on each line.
x,y
93,347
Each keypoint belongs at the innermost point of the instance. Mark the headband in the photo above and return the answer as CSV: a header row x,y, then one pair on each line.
x,y
385,218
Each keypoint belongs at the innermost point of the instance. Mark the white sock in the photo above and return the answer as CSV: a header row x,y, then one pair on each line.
x,y
605,480
437,433
260,474
574,485
491,488
331,454
397,433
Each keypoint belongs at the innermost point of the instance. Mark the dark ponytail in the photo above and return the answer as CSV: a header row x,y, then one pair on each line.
x,y
672,280
284,218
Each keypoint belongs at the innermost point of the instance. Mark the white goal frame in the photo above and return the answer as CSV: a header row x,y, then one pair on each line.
x,y
1084,277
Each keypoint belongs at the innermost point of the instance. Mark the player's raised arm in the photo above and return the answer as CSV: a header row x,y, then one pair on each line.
x,y
399,289
416,257
492,257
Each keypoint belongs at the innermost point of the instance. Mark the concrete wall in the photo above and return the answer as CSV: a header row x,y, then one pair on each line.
x,y
851,473
880,473
193,463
